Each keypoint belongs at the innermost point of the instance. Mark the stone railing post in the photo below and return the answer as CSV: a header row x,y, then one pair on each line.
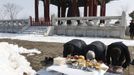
x,y
30,19
74,23
53,20
123,19
123,24
64,22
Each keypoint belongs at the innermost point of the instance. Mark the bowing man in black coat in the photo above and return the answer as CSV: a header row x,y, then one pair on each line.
x,y
131,30
118,55
74,47
99,48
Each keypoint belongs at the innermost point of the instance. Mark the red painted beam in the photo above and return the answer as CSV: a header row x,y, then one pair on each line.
x,y
95,3
63,8
59,13
74,8
103,8
85,8
90,4
36,11
46,12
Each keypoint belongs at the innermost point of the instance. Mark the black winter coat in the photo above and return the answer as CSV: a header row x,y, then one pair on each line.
x,y
131,26
99,49
74,47
124,57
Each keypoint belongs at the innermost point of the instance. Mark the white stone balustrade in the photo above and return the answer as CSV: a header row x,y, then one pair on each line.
x,y
14,26
114,26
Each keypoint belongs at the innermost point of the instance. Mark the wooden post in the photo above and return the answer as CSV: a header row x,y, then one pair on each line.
x,y
36,11
59,13
63,8
85,8
95,3
103,8
46,12
59,9
90,4
74,8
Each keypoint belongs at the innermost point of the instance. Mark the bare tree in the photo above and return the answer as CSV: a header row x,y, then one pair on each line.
x,y
11,10
2,15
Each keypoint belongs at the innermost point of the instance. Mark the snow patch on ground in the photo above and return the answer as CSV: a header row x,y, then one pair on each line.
x,y
12,62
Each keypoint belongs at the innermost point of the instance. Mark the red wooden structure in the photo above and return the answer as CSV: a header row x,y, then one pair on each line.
x,y
41,21
90,9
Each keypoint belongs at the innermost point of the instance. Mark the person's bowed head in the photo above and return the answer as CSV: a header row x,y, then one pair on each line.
x,y
90,56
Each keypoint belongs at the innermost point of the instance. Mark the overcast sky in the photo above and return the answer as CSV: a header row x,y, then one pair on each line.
x,y
113,8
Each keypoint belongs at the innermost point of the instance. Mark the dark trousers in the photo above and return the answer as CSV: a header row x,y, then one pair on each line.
x,y
131,35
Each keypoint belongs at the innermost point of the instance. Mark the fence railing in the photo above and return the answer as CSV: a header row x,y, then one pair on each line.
x,y
14,26
106,26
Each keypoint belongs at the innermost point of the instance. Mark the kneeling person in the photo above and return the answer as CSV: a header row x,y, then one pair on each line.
x,y
118,55
74,47
99,48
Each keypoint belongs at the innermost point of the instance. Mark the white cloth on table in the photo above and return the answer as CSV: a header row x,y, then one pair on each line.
x,y
107,73
44,72
70,71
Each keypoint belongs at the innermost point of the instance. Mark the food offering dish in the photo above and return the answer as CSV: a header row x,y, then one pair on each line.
x,y
79,62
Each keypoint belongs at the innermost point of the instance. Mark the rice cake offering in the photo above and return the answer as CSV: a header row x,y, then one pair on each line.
x,y
59,61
